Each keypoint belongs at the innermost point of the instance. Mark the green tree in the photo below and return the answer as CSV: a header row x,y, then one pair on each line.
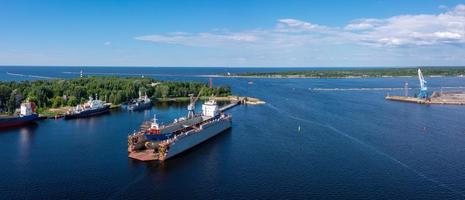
x,y
57,101
164,90
5,93
72,101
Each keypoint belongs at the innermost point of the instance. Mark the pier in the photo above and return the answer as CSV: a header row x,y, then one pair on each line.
x,y
231,105
446,98
407,99
449,98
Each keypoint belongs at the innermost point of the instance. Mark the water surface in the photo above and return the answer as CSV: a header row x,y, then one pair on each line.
x,y
352,145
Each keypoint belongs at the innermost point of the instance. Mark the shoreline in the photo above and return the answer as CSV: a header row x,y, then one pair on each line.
x,y
55,113
339,77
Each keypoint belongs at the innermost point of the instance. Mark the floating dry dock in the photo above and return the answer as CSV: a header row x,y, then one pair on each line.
x,y
449,98
192,129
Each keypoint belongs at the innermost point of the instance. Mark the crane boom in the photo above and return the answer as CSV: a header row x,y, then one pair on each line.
x,y
423,89
422,79
191,106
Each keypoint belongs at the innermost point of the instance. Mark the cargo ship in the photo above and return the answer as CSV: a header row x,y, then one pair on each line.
x,y
161,142
142,103
91,108
27,115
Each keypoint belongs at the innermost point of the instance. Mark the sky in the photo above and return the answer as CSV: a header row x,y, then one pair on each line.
x,y
235,33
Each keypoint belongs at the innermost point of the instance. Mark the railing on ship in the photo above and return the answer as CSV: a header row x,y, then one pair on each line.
x,y
186,131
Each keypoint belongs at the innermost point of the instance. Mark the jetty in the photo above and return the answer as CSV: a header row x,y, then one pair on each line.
x,y
450,97
447,98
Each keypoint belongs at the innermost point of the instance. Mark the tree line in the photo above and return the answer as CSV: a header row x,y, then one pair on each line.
x,y
70,92
361,72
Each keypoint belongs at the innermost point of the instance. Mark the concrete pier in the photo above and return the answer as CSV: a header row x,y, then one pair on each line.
x,y
447,98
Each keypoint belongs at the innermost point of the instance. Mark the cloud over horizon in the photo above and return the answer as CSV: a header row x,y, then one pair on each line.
x,y
427,39
447,28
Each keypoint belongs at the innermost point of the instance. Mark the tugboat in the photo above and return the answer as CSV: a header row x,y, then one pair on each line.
x,y
142,103
91,108
27,115
160,142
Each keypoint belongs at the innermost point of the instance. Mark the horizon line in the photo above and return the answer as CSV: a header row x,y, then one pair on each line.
x,y
151,66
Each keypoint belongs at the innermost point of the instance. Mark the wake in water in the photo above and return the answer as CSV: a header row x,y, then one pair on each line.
x,y
29,75
370,147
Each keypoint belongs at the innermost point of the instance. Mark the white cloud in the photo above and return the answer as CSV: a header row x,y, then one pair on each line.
x,y
294,25
398,40
204,39
364,24
403,30
415,30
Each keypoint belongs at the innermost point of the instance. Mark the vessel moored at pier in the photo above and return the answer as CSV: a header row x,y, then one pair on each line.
x,y
27,115
91,108
142,103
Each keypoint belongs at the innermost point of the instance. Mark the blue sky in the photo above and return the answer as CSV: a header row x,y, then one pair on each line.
x,y
262,33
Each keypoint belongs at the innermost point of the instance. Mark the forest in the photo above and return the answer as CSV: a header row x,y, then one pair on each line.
x,y
116,90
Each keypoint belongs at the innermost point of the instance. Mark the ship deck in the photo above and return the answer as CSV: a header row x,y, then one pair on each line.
x,y
144,155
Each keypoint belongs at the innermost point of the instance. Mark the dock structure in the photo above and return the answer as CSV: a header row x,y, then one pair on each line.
x,y
450,98
231,105
446,98
407,99
150,154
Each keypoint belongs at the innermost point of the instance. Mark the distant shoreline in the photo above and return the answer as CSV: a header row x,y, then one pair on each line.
x,y
356,73
341,77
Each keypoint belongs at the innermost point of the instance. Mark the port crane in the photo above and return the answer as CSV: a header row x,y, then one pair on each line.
x,y
423,89
191,106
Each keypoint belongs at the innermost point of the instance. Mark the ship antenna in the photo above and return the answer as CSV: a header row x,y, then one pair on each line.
x,y
155,121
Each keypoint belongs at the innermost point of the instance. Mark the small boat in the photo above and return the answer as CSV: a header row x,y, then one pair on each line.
x,y
91,108
27,115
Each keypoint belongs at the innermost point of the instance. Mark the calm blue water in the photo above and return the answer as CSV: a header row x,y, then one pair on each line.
x,y
352,145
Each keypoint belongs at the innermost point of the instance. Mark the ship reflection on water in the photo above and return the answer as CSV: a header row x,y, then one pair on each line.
x,y
26,138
